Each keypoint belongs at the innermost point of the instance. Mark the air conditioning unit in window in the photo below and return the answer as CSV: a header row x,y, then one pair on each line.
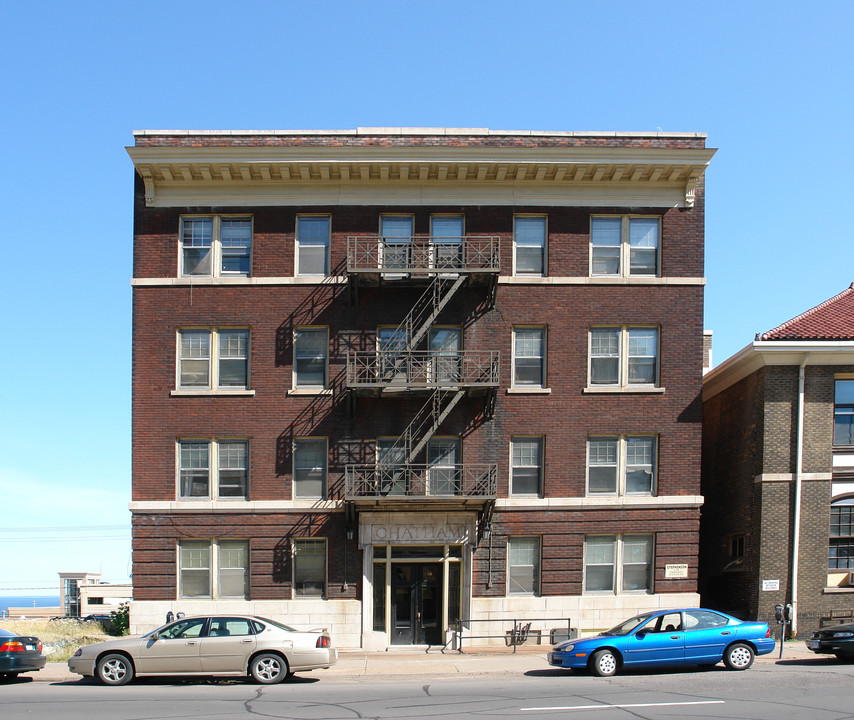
x,y
851,578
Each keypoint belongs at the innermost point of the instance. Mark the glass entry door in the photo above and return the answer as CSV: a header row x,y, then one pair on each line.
x,y
416,604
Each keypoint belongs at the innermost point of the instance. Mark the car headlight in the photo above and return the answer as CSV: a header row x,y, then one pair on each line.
x,y
843,634
78,653
565,647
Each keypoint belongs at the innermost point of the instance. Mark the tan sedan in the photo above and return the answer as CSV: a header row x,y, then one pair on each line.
x,y
218,645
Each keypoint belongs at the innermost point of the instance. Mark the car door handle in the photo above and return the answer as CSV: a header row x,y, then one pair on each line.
x,y
726,632
674,637
247,641
191,642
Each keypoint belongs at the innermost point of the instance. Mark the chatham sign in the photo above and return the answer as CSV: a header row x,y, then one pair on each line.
x,y
416,528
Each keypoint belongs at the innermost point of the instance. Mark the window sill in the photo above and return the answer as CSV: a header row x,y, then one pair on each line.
x,y
212,393
310,391
837,590
620,390
528,391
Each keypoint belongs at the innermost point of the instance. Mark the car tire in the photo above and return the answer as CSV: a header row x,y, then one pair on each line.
x,y
268,668
114,669
739,656
603,663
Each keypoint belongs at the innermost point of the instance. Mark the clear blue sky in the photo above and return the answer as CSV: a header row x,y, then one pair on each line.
x,y
771,84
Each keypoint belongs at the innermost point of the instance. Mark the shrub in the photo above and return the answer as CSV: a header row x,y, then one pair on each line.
x,y
121,620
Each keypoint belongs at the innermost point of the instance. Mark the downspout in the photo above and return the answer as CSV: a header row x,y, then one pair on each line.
x,y
799,469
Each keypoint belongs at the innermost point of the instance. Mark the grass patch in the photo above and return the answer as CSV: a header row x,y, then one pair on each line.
x,y
60,638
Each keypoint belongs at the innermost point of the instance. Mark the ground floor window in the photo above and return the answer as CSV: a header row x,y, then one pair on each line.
x,y
841,550
523,566
310,568
213,569
618,563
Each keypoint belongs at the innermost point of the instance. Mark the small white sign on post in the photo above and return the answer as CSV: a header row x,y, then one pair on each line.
x,y
676,571
770,585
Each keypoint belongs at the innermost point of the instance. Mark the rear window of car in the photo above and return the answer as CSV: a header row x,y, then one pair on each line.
x,y
279,625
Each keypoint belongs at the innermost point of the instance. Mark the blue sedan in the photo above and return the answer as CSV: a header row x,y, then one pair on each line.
x,y
668,638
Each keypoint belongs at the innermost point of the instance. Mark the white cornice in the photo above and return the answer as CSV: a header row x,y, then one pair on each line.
x,y
406,175
775,352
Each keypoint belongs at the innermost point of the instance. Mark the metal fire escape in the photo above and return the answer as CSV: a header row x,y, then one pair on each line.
x,y
399,368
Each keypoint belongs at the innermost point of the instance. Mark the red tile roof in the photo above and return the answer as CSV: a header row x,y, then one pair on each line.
x,y
832,320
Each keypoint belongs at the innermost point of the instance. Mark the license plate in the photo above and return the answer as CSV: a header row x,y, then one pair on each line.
x,y
31,647
815,644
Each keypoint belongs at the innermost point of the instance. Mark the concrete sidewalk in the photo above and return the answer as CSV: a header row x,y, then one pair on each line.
x,y
398,664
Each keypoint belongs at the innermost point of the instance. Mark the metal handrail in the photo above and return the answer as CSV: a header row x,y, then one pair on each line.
x,y
423,254
421,481
515,636
423,369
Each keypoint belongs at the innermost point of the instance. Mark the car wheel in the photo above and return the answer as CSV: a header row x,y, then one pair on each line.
x,y
268,668
738,657
114,669
603,663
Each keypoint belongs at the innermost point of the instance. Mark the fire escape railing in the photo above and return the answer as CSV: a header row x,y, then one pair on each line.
x,y
421,369
423,254
422,481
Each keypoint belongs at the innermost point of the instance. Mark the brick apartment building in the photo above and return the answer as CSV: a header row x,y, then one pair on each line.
x,y
778,470
386,379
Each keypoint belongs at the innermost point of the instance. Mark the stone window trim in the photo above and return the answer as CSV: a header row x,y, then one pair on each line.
x,y
627,456
212,361
624,358
531,364
625,253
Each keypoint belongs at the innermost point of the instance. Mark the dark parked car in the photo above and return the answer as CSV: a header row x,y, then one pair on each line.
x,y
668,638
835,640
19,653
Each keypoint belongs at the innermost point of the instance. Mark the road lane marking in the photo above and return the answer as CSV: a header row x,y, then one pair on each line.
x,y
633,705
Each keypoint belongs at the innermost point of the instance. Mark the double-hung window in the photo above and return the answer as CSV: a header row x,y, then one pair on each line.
x,y
443,466
216,246
526,466
446,234
618,563
310,468
311,348
843,413
841,550
396,241
529,357
213,359
213,469
309,568
621,465
313,233
523,566
624,246
624,356
529,245
214,569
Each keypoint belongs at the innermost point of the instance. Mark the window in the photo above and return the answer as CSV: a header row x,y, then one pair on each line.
x,y
392,364
396,241
624,356
843,413
443,462
621,465
225,460
621,246
841,551
313,245
618,563
526,466
310,468
529,245
213,569
736,547
445,349
215,246
213,359
529,357
310,354
310,568
446,233
391,472
523,566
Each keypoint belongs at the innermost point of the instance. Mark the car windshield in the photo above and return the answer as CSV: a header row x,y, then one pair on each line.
x,y
624,628
276,624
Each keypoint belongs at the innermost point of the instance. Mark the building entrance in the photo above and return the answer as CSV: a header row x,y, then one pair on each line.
x,y
416,604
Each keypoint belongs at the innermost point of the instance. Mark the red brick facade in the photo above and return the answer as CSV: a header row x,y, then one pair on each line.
x,y
270,418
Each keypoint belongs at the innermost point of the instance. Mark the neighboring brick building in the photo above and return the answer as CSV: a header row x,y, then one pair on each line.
x,y
778,470
385,379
